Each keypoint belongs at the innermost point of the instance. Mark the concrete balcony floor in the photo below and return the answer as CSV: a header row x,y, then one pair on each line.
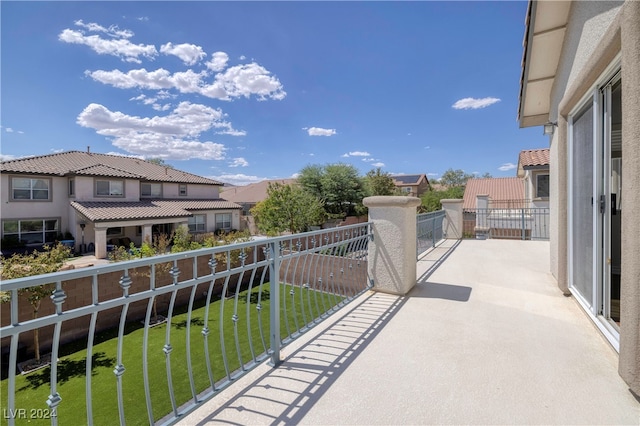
x,y
485,337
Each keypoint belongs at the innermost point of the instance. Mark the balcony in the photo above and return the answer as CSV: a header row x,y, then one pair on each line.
x,y
475,331
484,337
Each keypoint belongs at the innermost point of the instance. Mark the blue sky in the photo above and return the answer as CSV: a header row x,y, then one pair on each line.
x,y
243,91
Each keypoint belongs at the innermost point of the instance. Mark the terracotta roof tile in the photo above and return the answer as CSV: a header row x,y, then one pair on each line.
x,y
498,189
100,211
534,157
78,162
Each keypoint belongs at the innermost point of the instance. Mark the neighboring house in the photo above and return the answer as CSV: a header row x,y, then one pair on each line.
x,y
106,199
480,194
508,192
248,196
533,167
581,80
411,185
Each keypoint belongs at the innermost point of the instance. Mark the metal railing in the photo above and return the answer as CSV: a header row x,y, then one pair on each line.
x,y
514,223
224,312
429,230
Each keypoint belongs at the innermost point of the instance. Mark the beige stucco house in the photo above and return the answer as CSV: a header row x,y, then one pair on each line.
x,y
533,168
106,199
581,80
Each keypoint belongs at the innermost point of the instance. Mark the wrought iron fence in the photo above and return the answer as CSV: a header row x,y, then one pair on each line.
x,y
513,223
429,230
167,333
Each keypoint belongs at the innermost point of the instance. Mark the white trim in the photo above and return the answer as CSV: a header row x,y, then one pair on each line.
x,y
602,79
600,322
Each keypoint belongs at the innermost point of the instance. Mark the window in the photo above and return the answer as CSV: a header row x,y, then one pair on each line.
x,y
33,189
34,231
150,189
197,223
72,187
114,232
542,186
406,189
223,221
182,190
109,188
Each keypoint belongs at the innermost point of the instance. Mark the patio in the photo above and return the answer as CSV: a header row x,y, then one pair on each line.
x,y
485,337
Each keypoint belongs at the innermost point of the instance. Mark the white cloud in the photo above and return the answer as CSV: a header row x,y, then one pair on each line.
x,y
319,131
238,162
357,154
112,31
236,179
119,47
242,58
245,80
241,80
378,164
474,103
433,174
427,147
507,166
174,136
8,130
190,54
218,61
7,157
370,160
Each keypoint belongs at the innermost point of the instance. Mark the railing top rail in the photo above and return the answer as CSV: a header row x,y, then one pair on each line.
x,y
19,283
422,216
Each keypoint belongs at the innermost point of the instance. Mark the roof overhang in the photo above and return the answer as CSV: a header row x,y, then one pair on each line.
x,y
545,28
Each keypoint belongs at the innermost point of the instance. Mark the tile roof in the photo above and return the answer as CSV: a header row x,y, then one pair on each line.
x,y
100,211
72,163
534,157
252,193
498,189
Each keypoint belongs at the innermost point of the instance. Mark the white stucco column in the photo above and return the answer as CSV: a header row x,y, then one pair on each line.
x,y
392,253
482,227
452,224
101,242
147,234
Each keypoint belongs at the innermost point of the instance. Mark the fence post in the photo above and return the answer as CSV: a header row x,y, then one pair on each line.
x,y
524,232
274,303
452,222
392,253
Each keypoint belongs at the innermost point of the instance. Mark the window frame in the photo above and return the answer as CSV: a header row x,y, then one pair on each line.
x,y
151,194
182,193
110,181
222,222
537,185
19,231
194,225
71,187
30,189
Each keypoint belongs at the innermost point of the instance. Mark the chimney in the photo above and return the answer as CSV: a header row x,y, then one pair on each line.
x,y
88,149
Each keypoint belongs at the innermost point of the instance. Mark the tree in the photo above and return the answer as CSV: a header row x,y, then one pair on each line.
x,y
338,185
287,208
27,265
431,199
455,178
159,162
379,183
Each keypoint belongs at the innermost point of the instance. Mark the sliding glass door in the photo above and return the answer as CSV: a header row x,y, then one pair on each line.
x,y
595,152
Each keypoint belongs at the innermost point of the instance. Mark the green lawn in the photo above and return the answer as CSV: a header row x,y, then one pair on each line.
x,y
33,389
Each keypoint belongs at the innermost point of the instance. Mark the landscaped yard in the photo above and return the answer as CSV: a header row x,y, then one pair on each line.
x,y
32,390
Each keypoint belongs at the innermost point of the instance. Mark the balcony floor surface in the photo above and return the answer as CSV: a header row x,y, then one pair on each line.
x,y
485,337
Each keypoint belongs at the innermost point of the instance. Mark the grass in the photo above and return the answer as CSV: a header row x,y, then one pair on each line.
x,y
32,390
